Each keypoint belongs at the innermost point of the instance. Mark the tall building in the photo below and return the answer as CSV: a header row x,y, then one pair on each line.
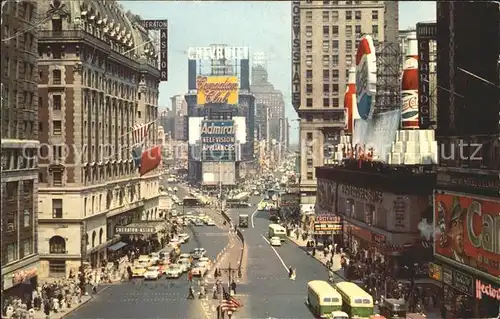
x,y
467,198
266,94
180,112
325,35
19,129
261,122
98,79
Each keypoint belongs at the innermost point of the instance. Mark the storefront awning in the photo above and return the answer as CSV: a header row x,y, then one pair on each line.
x,y
117,246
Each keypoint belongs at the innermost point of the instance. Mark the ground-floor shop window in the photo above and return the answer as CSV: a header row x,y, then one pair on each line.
x,y
57,268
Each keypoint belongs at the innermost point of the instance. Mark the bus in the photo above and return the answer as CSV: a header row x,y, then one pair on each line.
x,y
276,230
192,202
356,301
323,299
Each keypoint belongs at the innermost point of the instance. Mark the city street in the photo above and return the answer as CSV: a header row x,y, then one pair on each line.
x,y
267,291
156,299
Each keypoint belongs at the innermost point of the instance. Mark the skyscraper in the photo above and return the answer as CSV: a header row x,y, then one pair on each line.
x,y
325,35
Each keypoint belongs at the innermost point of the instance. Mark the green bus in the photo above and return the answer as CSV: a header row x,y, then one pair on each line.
x,y
276,230
322,298
356,301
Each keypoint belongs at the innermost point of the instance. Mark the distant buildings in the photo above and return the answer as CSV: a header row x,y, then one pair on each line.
x,y
271,121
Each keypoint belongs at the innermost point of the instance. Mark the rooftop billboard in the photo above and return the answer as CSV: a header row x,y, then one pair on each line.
x,y
217,89
218,141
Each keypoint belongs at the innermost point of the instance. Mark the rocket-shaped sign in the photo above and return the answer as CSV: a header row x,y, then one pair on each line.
x,y
409,85
350,107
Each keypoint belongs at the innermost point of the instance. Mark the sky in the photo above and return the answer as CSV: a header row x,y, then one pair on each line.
x,y
263,26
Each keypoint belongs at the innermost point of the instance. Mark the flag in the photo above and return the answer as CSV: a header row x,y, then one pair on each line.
x,y
139,134
230,303
150,159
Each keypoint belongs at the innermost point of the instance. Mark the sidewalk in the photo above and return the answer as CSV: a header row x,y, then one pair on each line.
x,y
62,313
320,257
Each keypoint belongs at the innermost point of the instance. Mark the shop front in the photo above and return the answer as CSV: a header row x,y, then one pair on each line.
x,y
19,283
328,228
144,236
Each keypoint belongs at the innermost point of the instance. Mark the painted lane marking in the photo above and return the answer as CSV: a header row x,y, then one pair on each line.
x,y
274,249
253,214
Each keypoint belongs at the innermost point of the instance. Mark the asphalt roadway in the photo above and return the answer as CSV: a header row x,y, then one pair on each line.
x,y
165,298
268,292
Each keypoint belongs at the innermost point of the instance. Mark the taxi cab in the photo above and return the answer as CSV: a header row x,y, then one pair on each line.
x,y
138,271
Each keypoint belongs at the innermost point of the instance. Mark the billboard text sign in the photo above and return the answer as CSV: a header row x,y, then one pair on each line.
x,y
162,26
218,141
296,60
217,89
218,52
467,231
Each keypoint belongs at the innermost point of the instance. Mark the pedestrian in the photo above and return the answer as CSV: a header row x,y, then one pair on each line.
x,y
233,287
190,276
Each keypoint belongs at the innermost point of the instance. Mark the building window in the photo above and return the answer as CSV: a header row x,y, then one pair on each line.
x,y
309,74
348,45
348,30
27,218
56,77
374,14
326,75
326,16
326,30
309,30
357,14
309,175
335,60
335,88
309,118
309,17
335,74
335,44
57,268
335,102
335,30
335,15
309,163
309,102
56,127
11,252
326,88
309,88
357,30
309,136
326,102
57,102
326,46
348,15
309,60
348,60
375,29
326,2
326,60
57,208
348,2
27,247
309,44
57,245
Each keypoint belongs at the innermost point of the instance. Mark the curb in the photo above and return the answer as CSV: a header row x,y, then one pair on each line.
x,y
76,308
319,261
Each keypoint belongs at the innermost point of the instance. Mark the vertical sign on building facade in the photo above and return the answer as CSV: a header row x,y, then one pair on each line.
x,y
425,33
296,96
162,26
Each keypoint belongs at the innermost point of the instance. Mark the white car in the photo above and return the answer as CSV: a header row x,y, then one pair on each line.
x,y
184,264
154,257
275,241
200,269
174,213
185,256
210,222
152,273
173,271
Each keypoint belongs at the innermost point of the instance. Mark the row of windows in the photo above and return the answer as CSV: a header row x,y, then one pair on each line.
x,y
327,102
335,15
16,159
22,39
14,253
334,31
13,221
347,2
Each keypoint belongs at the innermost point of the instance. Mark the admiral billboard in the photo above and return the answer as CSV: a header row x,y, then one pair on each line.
x,y
467,231
217,90
218,141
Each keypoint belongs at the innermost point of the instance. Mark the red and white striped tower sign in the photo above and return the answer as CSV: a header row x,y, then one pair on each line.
x,y
350,107
409,85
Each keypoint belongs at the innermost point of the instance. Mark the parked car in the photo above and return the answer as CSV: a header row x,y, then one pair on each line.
x,y
152,273
174,271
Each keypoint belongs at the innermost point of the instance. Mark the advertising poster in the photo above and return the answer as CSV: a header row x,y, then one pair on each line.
x,y
327,224
217,90
218,141
466,231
